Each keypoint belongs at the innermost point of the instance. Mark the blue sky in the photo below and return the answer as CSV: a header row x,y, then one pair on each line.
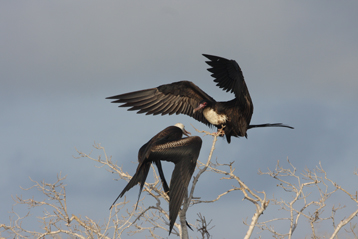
x,y
59,60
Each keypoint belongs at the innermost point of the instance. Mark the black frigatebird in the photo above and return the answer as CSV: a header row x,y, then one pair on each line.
x,y
184,97
168,145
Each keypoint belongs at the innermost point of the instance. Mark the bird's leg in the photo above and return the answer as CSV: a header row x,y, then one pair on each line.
x,y
221,131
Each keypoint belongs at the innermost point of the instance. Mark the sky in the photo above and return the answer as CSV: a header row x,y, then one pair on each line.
x,y
60,59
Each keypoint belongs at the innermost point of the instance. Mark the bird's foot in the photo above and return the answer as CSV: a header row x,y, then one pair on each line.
x,y
221,131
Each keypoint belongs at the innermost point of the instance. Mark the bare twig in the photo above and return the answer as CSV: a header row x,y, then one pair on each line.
x,y
309,196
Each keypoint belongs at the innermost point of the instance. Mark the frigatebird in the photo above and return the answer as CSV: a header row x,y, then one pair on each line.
x,y
184,97
168,145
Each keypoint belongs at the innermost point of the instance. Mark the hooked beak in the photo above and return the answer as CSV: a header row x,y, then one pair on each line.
x,y
201,106
186,133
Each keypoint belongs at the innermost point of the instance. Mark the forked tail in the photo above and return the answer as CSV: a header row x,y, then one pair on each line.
x,y
269,125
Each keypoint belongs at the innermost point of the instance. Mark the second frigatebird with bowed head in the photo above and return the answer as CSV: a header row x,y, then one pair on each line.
x,y
168,145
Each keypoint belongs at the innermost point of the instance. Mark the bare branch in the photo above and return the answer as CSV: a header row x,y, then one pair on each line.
x,y
309,197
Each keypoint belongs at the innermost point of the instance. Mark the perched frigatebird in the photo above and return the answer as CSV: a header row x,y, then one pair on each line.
x,y
168,145
184,97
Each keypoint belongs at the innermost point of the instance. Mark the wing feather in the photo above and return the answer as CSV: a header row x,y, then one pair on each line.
x,y
229,77
179,97
154,108
184,154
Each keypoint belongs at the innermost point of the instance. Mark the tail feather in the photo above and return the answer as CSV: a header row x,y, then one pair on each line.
x,y
269,125
161,174
139,177
144,174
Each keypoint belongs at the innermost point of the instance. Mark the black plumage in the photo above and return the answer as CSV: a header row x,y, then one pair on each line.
x,y
168,145
184,97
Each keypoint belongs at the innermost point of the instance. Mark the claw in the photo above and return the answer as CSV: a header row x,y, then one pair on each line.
x,y
221,131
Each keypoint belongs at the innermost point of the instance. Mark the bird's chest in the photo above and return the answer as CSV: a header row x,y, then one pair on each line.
x,y
213,117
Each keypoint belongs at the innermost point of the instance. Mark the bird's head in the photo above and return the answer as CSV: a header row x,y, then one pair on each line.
x,y
182,127
202,105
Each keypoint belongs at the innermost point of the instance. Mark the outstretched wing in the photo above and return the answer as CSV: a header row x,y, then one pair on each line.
x,y
184,154
179,97
229,77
